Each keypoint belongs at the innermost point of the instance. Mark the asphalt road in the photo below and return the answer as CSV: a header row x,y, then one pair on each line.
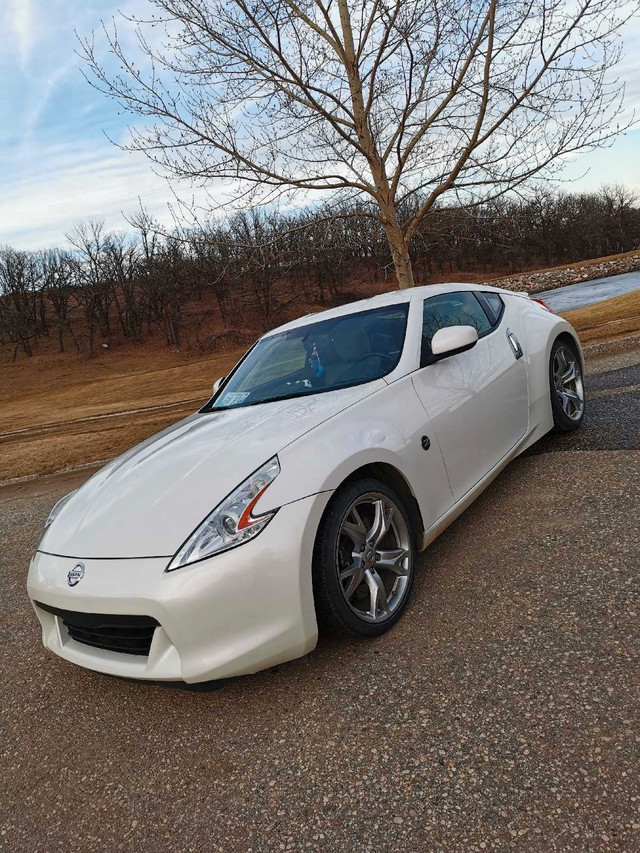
x,y
500,714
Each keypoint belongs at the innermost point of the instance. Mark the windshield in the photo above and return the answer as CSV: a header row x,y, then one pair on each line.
x,y
321,356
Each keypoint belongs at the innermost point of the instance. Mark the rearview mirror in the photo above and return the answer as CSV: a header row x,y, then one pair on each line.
x,y
453,340
217,384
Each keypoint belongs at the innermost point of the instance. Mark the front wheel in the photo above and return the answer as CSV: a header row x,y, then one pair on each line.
x,y
364,559
566,385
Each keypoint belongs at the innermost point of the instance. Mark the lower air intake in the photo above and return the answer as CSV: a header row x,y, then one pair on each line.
x,y
130,635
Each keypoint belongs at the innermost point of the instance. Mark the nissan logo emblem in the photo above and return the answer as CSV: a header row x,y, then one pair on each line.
x,y
75,574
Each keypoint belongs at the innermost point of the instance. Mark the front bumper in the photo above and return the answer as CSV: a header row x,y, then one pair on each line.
x,y
233,614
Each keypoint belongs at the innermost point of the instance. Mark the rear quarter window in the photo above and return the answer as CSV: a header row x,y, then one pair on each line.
x,y
493,306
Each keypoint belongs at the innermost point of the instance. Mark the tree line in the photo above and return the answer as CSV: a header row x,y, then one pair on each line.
x,y
399,106
256,265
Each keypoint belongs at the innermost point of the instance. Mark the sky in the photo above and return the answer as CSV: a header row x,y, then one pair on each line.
x,y
57,165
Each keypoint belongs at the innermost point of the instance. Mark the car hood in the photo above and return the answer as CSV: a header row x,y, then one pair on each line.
x,y
146,502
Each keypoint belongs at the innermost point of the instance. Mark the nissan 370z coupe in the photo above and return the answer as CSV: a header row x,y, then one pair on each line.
x,y
338,447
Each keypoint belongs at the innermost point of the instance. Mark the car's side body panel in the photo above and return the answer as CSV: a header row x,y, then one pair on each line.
x,y
538,331
540,328
386,427
477,402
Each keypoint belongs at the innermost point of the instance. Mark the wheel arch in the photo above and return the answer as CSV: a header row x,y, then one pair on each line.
x,y
565,335
395,479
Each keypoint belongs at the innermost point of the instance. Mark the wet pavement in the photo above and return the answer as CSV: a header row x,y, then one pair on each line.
x,y
590,292
500,714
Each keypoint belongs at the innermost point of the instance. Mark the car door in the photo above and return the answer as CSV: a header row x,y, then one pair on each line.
x,y
476,401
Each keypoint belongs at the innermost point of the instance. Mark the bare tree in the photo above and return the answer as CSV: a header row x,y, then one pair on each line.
x,y
385,100
619,203
58,287
121,266
19,299
95,288
165,278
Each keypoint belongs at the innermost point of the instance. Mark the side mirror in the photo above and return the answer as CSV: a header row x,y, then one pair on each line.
x,y
217,384
453,340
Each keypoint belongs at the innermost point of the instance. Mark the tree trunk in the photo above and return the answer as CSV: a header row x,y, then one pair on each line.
x,y
399,253
403,268
384,194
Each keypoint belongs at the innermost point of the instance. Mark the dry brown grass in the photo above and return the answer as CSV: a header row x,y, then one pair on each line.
x,y
97,390
78,445
609,320
51,405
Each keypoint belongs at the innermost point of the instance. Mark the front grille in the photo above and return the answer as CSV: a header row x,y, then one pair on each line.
x,y
130,635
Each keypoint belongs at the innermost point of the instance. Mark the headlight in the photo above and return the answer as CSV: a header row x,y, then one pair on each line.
x,y
54,513
231,523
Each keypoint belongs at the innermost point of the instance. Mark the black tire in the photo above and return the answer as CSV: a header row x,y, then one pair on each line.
x,y
331,543
563,421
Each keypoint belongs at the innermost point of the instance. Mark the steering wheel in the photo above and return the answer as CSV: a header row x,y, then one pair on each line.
x,y
365,355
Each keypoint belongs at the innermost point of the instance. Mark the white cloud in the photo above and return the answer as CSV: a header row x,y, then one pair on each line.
x,y
629,68
64,183
19,22
58,168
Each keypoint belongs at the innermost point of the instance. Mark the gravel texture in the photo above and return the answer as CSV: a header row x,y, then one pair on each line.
x,y
500,714
564,276
612,412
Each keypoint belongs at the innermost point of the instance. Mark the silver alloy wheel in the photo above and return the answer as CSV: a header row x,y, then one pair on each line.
x,y
374,557
567,380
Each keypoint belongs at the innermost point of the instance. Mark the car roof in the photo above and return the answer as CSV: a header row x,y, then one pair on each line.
x,y
392,297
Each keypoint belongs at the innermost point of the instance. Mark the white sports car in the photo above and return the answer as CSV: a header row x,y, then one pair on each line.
x,y
340,445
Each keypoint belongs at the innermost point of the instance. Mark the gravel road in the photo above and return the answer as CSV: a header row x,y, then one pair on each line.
x,y
500,714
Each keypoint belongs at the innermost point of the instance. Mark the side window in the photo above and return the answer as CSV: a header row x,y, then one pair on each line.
x,y
493,305
451,309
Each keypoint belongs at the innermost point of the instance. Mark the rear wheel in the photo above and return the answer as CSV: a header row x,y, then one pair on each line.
x,y
567,388
364,559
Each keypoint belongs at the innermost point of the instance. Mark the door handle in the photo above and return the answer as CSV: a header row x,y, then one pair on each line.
x,y
515,344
